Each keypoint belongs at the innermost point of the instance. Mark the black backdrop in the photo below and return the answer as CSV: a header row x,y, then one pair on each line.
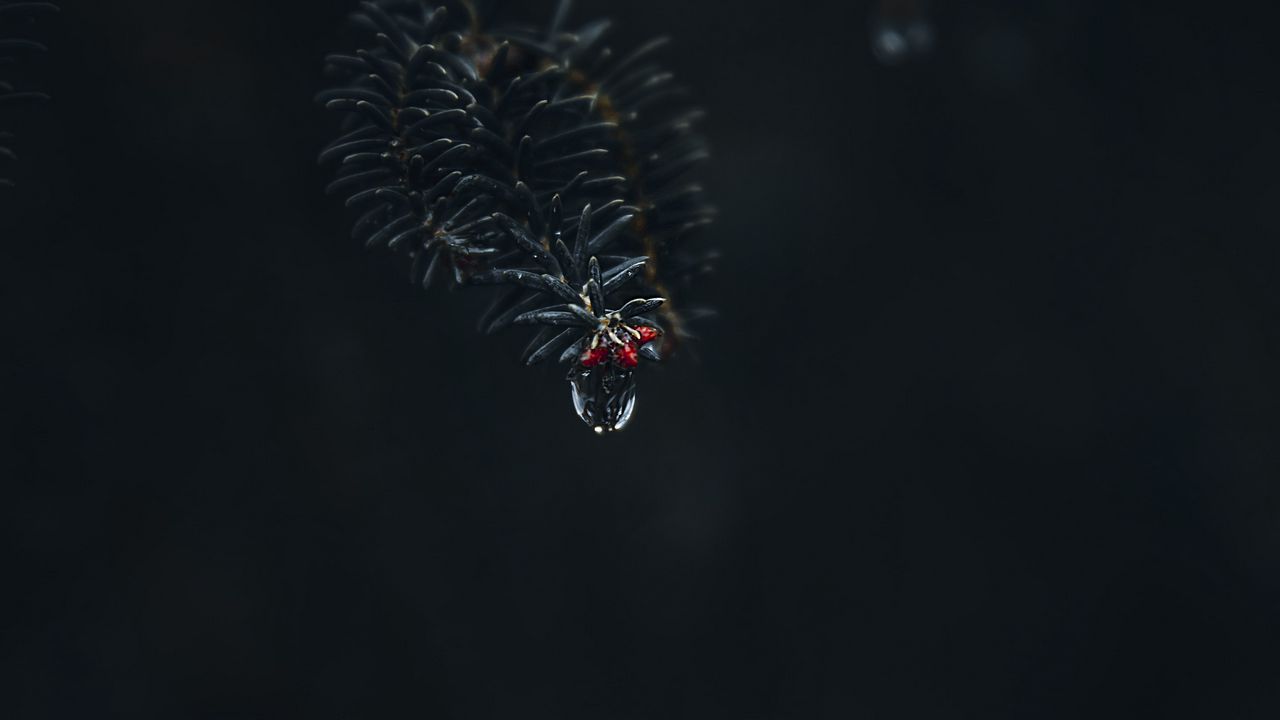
x,y
987,426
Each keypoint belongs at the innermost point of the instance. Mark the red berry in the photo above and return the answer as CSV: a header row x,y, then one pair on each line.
x,y
647,333
592,357
627,355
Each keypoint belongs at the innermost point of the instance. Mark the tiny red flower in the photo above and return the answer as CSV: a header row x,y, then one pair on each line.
x,y
627,355
592,357
647,334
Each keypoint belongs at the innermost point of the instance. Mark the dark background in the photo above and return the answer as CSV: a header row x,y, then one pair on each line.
x,y
988,426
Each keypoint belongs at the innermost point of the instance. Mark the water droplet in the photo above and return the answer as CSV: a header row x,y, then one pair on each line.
x,y
628,408
603,397
579,402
